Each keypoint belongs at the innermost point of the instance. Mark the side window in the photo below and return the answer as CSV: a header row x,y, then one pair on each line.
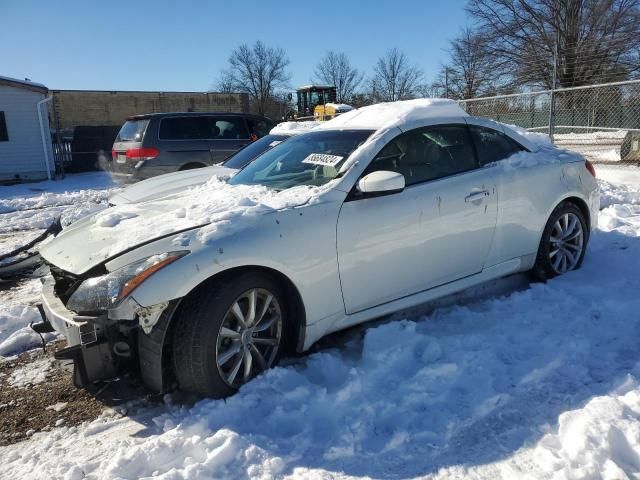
x,y
492,145
4,134
184,128
259,127
229,128
427,154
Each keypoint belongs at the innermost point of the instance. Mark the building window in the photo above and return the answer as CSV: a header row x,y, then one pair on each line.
x,y
4,135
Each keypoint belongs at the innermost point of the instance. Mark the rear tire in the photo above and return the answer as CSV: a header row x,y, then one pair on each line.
x,y
219,344
563,243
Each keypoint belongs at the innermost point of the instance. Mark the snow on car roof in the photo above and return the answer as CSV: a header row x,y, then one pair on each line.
x,y
392,114
293,128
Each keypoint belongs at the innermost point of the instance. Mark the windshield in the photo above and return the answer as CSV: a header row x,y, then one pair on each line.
x,y
132,130
247,154
312,158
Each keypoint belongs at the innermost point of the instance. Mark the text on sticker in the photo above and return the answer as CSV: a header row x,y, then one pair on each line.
x,y
323,159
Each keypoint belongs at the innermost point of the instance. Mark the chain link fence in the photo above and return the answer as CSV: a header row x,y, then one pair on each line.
x,y
602,122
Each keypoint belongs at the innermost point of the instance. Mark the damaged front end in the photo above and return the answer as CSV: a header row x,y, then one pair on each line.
x,y
103,324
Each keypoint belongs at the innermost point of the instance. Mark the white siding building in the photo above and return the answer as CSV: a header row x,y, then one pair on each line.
x,y
25,139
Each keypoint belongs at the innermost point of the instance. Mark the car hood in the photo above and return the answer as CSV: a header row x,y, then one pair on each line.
x,y
215,208
167,184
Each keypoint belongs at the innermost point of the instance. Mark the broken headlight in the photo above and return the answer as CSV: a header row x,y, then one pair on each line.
x,y
107,291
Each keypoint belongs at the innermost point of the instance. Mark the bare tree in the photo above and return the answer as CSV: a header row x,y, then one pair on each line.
x,y
336,69
597,40
394,77
224,85
430,90
471,69
257,70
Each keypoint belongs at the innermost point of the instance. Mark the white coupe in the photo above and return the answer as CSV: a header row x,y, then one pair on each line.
x,y
380,209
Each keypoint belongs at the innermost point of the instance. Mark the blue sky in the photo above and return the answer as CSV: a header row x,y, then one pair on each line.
x,y
158,45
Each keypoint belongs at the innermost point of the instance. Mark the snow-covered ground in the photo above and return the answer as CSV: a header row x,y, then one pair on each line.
x,y
33,206
600,146
25,211
541,382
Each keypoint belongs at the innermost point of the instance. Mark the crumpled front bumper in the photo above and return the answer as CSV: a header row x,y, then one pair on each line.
x,y
87,345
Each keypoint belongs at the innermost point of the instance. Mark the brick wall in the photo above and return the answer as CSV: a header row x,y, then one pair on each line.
x,y
82,107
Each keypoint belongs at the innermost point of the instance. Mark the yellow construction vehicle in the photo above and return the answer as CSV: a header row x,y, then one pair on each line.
x,y
318,102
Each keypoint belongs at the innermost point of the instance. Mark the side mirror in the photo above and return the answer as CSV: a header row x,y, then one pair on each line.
x,y
381,182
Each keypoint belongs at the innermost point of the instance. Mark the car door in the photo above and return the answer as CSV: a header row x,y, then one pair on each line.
x,y
228,135
438,229
517,190
183,141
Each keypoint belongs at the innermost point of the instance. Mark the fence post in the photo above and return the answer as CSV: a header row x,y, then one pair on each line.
x,y
553,88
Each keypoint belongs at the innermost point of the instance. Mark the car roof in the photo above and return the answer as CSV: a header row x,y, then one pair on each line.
x,y
142,116
395,114
410,114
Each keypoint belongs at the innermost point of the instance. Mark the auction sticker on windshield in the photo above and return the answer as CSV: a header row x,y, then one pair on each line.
x,y
323,159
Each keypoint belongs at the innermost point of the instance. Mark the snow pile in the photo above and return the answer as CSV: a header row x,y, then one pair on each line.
x,y
293,128
36,206
15,334
16,313
603,438
31,374
616,193
9,243
391,114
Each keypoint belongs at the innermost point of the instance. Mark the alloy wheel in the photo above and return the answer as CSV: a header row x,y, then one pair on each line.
x,y
249,336
566,243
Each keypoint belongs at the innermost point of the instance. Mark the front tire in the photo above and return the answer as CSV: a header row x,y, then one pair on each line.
x,y
563,244
228,333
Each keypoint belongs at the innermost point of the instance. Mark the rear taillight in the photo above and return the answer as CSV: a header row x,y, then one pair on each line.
x,y
589,166
142,153
114,154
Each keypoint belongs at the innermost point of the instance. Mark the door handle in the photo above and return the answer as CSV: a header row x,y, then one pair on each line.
x,y
476,196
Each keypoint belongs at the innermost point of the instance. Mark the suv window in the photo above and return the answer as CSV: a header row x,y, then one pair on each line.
x,y
205,127
232,128
259,127
492,145
132,130
184,128
427,153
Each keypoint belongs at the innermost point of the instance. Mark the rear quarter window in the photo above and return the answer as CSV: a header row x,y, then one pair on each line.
x,y
133,130
493,146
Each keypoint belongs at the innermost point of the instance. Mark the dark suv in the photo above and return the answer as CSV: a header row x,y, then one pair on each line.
x,y
157,143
